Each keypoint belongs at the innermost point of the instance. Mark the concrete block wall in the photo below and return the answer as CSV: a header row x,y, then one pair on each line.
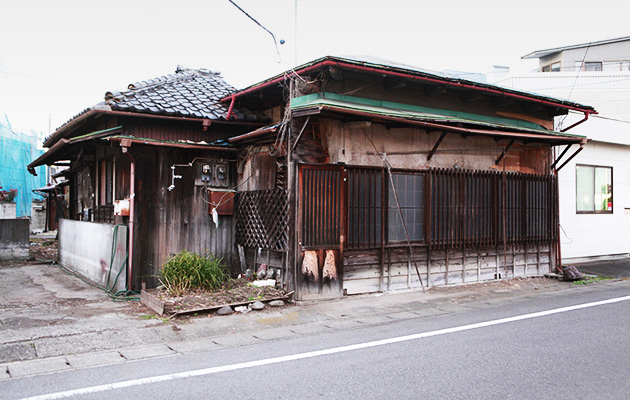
x,y
14,239
8,210
38,216
86,248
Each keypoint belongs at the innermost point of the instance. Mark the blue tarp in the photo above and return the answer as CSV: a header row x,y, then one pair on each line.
x,y
17,150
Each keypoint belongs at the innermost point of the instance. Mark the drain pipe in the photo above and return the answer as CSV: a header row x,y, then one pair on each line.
x,y
132,201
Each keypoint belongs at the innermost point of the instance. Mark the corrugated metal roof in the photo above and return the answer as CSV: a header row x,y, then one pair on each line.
x,y
546,52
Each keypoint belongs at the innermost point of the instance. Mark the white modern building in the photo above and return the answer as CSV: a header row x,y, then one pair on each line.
x,y
595,184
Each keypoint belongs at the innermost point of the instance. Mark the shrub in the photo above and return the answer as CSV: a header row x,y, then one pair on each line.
x,y
187,271
7,196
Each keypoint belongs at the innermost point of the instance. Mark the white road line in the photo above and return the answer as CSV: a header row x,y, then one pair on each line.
x,y
318,353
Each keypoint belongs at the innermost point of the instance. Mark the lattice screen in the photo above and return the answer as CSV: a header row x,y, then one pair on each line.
x,y
262,219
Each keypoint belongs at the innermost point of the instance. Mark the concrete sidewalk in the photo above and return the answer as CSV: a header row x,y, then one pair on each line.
x,y
619,268
54,321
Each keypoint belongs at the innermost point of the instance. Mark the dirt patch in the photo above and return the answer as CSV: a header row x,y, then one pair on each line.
x,y
46,250
41,250
515,287
234,291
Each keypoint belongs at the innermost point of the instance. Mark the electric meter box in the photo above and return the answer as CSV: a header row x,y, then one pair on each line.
x,y
212,174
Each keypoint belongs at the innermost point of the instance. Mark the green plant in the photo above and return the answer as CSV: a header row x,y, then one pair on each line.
x,y
591,279
7,196
187,271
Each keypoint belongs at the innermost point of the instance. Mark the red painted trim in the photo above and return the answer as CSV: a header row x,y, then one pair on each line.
x,y
229,113
326,63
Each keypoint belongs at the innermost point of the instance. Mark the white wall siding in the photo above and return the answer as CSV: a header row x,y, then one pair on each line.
x,y
596,235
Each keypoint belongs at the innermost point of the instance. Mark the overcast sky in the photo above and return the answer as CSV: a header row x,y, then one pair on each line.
x,y
60,57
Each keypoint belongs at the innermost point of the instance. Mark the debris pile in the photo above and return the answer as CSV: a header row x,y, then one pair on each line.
x,y
230,297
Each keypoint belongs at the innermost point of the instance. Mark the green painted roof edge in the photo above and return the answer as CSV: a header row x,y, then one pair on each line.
x,y
95,133
416,112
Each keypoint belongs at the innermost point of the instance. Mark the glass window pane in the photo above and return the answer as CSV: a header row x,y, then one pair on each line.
x,y
585,182
409,188
603,189
592,66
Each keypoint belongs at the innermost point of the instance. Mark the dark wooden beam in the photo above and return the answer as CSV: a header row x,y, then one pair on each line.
x,y
561,155
470,96
504,152
502,101
434,90
437,144
529,107
392,83
336,74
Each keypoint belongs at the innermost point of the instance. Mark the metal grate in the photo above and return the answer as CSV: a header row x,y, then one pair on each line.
x,y
480,208
262,219
322,206
365,205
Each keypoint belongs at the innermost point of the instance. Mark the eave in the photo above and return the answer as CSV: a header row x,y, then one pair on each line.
x,y
413,75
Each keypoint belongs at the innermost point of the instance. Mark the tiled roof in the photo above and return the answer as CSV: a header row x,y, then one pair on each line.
x,y
190,93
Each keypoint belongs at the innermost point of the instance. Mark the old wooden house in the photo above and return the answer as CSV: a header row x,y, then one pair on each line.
x,y
341,176
151,164
374,177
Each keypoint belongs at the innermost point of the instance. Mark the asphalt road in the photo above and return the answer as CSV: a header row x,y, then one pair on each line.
x,y
560,351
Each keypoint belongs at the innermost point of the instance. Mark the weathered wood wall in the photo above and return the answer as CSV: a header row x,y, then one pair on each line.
x,y
363,273
408,148
168,222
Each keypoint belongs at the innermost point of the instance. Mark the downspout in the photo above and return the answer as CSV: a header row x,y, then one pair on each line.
x,y
559,266
229,113
132,201
586,114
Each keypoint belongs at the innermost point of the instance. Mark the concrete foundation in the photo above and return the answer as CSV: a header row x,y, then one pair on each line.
x,y
86,247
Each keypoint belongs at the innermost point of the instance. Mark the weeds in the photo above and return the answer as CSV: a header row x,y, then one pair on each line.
x,y
187,271
591,279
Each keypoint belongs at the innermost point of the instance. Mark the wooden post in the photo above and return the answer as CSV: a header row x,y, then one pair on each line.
x,y
538,259
408,269
446,259
291,275
389,268
478,266
382,230
513,261
497,274
463,265
428,266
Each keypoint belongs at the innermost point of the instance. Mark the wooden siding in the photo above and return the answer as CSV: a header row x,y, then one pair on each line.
x,y
160,129
362,269
170,221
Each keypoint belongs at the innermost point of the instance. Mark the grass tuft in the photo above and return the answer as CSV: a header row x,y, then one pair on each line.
x,y
188,271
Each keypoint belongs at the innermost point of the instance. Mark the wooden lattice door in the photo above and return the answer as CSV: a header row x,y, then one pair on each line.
x,y
321,229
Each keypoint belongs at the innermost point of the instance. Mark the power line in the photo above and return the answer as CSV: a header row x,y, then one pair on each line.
x,y
259,24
